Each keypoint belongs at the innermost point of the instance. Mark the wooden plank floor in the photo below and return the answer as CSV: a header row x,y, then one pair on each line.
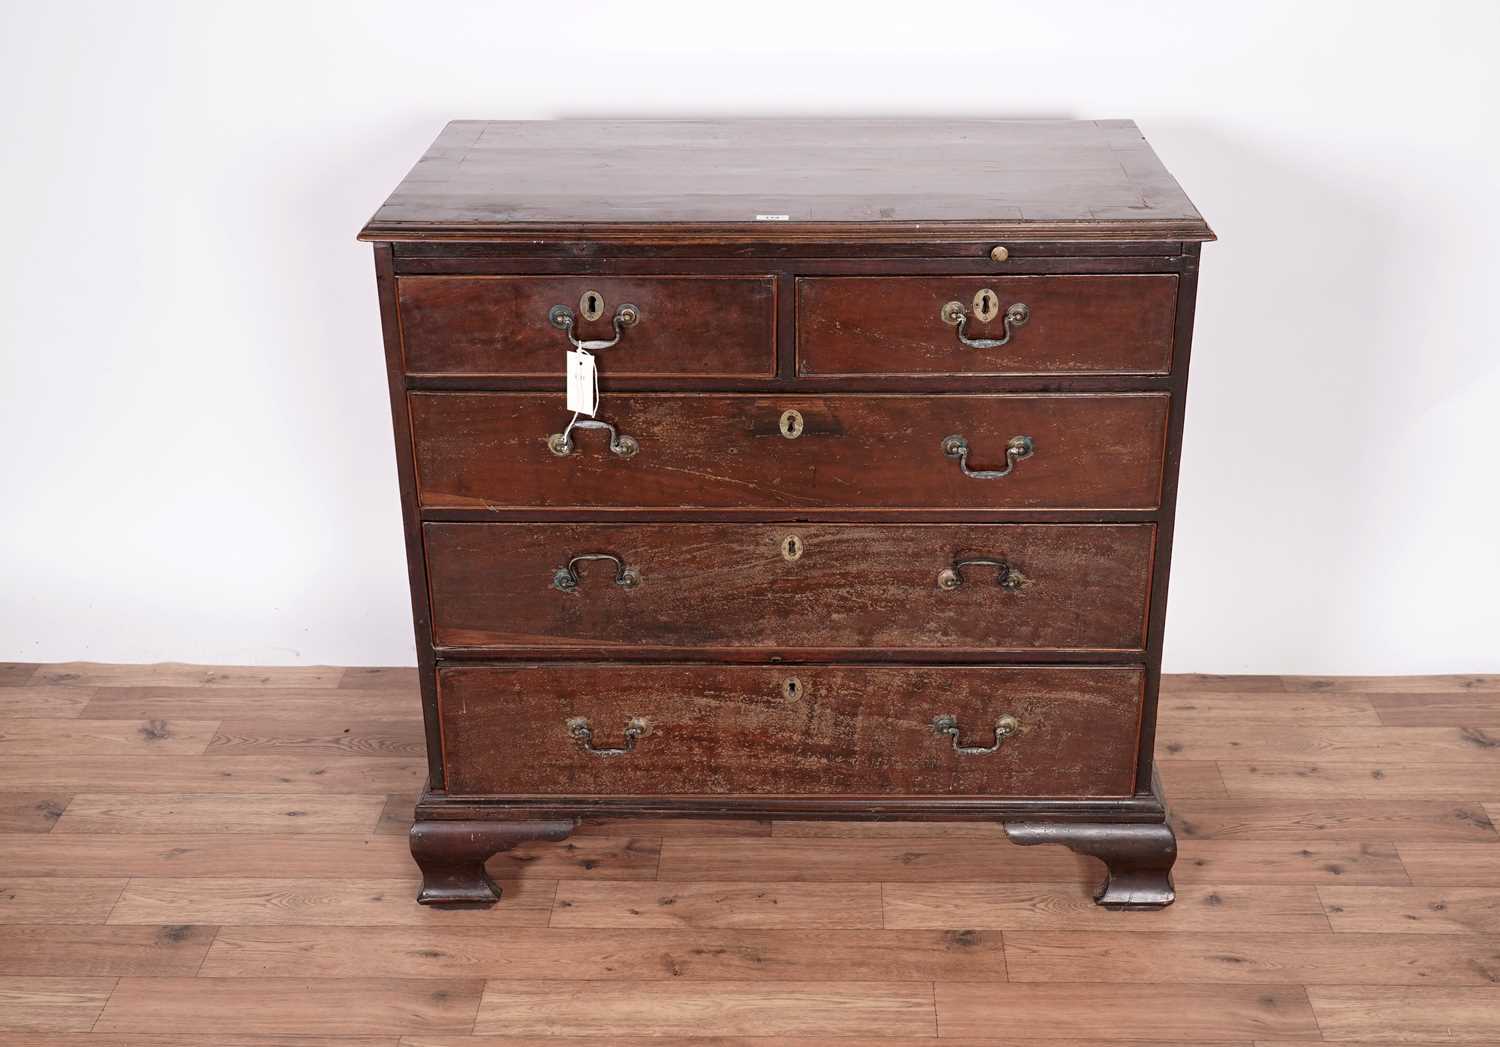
x,y
215,857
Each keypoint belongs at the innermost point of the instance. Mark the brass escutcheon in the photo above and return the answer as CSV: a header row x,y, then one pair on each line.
x,y
792,689
591,305
986,305
791,424
791,548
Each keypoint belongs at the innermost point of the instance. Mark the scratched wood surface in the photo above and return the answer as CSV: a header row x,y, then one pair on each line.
x,y
214,857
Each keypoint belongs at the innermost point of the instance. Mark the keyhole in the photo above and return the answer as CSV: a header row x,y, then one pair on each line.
x,y
591,305
791,424
986,305
791,547
791,688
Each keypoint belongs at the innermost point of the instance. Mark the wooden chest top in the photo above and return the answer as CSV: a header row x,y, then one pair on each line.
x,y
788,181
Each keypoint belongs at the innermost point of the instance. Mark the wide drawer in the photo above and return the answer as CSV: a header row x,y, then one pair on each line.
x,y
498,325
753,452
707,730
798,588
1067,324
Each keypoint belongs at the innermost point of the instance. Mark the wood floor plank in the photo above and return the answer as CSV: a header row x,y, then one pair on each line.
x,y
991,832
1219,707
397,816
673,1008
1413,910
1050,906
1398,821
145,1039
400,678
209,703
582,903
461,951
1256,958
779,1041
57,950
1458,708
15,674
215,774
323,735
1318,743
1470,1013
287,855
220,813
53,703
1392,684
1378,780
1197,683
52,1004
298,1006
1125,1011
861,861
80,737
1451,863
45,899
266,901
30,812
601,858
177,674
1305,861
1189,779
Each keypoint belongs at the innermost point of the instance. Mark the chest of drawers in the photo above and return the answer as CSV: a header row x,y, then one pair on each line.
x,y
873,519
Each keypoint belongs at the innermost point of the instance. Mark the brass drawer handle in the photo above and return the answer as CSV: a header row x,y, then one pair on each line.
x,y
563,318
947,724
565,579
955,315
561,444
579,728
1016,448
1006,576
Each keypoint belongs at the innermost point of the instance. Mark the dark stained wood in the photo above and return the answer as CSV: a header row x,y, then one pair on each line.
x,y
727,451
731,586
734,729
892,325
1137,858
848,180
498,325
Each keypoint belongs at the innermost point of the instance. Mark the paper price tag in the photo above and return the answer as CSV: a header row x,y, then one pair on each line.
x,y
583,382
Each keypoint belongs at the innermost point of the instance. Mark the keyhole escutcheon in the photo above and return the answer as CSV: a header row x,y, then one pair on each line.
x,y
791,424
791,688
986,305
591,305
791,548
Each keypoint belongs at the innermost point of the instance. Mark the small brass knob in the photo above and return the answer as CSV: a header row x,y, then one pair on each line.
x,y
999,253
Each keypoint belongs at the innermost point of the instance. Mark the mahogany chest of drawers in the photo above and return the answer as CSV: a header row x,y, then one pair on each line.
x,y
873,517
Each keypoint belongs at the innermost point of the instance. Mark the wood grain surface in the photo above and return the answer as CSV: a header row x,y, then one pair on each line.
x,y
1350,896
727,451
848,588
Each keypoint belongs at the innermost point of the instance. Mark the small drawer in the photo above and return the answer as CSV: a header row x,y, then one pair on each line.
x,y
504,325
804,589
1014,325
598,730
753,452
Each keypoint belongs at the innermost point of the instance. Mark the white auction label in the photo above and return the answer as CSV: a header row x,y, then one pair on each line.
x,y
583,382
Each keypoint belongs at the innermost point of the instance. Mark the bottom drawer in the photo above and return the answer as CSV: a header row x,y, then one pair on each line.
x,y
607,730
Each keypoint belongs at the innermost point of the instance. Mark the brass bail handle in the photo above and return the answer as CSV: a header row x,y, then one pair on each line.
x,y
565,579
1017,448
580,729
986,308
947,724
1006,576
565,320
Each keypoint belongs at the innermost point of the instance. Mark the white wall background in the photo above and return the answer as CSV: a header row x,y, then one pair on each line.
x,y
197,460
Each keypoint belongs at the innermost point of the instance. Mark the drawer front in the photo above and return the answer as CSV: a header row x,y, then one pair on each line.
x,y
498,325
733,451
799,588
1072,324
712,730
